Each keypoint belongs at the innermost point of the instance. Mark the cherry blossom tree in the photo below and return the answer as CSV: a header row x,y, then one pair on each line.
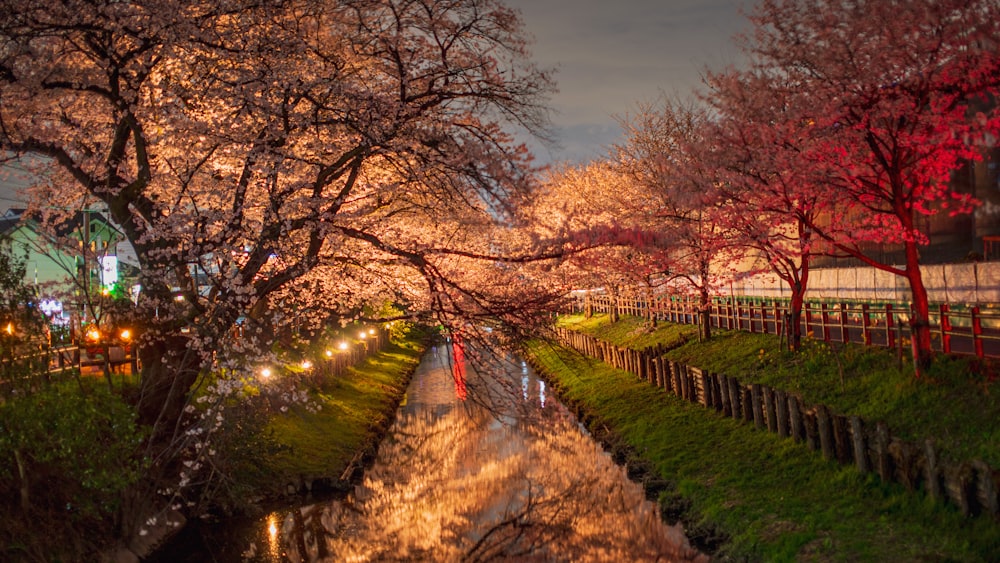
x,y
769,200
891,90
668,154
609,229
329,155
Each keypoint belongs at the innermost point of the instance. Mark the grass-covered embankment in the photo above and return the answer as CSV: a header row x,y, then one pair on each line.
x,y
770,498
341,426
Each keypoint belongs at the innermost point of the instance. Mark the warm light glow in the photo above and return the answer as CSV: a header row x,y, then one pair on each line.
x,y
371,332
306,364
179,298
329,353
105,291
342,346
126,334
10,328
272,528
94,334
363,335
265,373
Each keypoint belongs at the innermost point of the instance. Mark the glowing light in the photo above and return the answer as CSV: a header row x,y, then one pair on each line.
x,y
126,334
329,353
94,334
306,364
10,328
342,346
363,335
272,528
178,298
265,373
371,332
274,545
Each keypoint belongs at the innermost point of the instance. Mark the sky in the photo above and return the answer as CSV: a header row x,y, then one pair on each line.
x,y
609,56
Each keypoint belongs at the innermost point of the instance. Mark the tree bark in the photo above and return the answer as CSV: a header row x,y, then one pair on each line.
x,y
920,330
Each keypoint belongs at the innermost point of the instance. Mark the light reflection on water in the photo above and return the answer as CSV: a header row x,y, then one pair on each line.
x,y
470,473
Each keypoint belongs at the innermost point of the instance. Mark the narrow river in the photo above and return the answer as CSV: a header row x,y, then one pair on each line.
x,y
481,464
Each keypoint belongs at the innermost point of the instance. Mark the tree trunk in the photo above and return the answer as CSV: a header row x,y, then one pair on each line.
x,y
704,315
169,370
920,329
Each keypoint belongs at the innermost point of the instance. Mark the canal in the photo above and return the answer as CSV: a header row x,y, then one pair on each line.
x,y
482,463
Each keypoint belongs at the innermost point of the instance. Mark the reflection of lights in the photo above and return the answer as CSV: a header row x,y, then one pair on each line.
x,y
342,346
272,527
306,364
272,536
265,373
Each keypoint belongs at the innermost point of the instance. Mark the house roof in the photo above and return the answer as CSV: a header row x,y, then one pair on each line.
x,y
14,216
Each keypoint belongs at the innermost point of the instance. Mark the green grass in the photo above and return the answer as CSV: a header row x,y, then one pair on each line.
x,y
955,403
776,500
321,443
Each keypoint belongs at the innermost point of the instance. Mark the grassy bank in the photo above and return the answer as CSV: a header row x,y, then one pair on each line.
x,y
333,435
771,499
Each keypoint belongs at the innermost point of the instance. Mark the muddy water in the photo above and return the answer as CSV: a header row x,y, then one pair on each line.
x,y
481,464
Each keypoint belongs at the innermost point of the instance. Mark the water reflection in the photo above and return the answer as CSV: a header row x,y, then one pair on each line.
x,y
477,469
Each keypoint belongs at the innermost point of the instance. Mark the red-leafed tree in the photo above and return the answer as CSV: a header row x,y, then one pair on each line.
x,y
891,89
767,188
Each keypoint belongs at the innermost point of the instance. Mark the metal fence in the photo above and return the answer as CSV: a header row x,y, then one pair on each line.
x,y
955,330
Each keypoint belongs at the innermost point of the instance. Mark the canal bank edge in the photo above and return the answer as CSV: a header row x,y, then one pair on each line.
x,y
348,469
675,510
789,503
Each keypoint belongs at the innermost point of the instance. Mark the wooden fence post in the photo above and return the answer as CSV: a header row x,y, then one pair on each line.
x,y
769,414
860,446
883,463
727,403
823,428
781,412
986,488
932,473
758,416
795,419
